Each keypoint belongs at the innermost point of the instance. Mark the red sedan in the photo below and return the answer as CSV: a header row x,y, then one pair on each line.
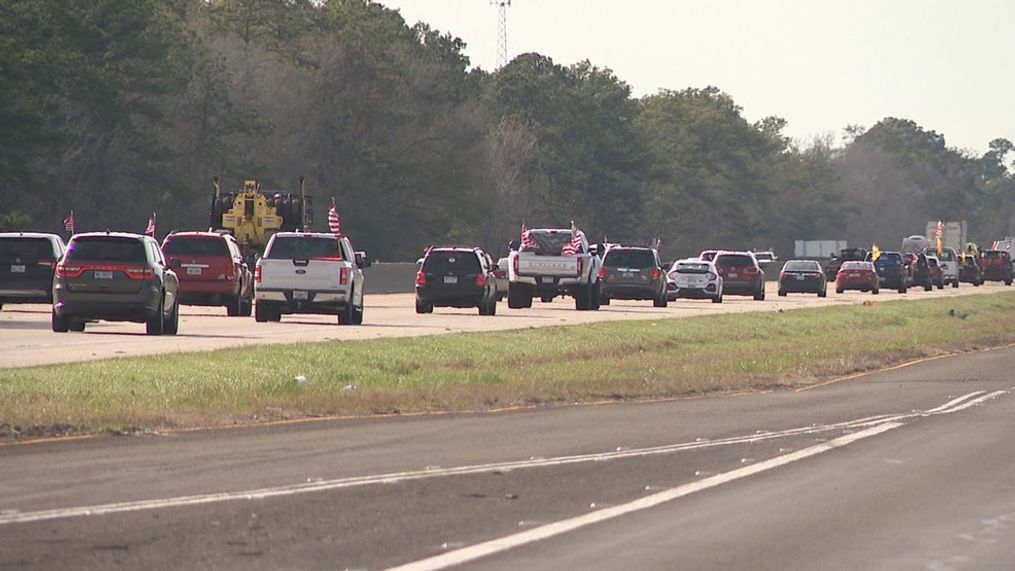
x,y
857,275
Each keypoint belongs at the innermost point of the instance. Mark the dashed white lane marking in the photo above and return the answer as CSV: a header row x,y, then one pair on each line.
x,y
7,518
485,549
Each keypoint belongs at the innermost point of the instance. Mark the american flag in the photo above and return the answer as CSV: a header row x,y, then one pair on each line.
x,y
940,232
334,220
68,223
527,242
150,230
575,245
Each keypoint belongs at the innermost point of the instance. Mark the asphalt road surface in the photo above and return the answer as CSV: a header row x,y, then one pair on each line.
x,y
26,338
906,469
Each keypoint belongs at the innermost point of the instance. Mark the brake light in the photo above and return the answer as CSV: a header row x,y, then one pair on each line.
x,y
420,278
602,273
343,276
142,273
65,271
257,274
480,280
655,274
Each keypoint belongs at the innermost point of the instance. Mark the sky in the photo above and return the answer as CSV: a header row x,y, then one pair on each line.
x,y
820,64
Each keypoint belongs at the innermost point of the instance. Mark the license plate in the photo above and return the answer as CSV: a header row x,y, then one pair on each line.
x,y
100,275
193,271
546,279
628,275
299,295
450,279
852,275
19,269
733,274
799,277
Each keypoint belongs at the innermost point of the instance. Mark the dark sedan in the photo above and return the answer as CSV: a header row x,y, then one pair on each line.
x,y
802,276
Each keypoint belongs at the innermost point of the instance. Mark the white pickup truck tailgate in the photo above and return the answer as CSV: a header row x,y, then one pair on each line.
x,y
557,266
308,275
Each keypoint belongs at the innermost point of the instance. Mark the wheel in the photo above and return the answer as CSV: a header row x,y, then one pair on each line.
x,y
782,293
955,283
660,301
172,324
422,307
493,306
261,313
518,297
234,307
941,285
546,298
760,294
838,290
927,286
603,300
345,316
59,323
1007,282
156,322
76,325
594,298
978,283
902,289
357,315
875,291
247,305
823,292
717,299
582,298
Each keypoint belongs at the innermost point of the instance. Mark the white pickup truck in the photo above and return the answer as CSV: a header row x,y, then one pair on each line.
x,y
538,269
306,272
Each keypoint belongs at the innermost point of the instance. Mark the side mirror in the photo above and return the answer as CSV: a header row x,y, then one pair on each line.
x,y
175,263
362,259
513,245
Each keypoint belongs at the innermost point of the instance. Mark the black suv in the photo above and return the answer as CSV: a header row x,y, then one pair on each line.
x,y
116,277
632,273
893,272
456,277
27,262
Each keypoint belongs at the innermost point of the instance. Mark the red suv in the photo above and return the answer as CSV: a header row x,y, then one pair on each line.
x,y
212,270
741,274
996,266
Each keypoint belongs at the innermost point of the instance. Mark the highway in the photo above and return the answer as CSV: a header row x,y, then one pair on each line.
x,y
905,469
26,338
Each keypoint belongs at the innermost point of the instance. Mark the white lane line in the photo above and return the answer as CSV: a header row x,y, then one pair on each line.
x,y
485,549
391,478
955,401
967,404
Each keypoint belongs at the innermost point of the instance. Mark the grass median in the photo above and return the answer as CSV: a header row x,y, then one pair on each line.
x,y
476,371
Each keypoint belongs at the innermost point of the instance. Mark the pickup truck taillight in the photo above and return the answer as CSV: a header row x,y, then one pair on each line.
x,y
602,273
343,276
420,278
257,274
655,274
480,280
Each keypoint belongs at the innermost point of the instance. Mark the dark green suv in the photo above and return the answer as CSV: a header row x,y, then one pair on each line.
x,y
115,276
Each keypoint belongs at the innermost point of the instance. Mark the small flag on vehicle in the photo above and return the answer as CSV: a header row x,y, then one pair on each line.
x,y
150,230
334,220
938,235
68,223
875,253
574,246
527,242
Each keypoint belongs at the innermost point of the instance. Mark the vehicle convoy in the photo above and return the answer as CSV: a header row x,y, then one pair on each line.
x,y
631,272
694,278
996,266
741,274
857,275
969,270
948,261
455,276
802,276
844,255
310,272
115,276
893,271
27,263
252,215
211,270
550,263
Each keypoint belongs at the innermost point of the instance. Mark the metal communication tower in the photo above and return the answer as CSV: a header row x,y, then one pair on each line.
x,y
502,51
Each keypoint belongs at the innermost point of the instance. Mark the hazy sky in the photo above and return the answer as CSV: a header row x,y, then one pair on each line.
x,y
820,64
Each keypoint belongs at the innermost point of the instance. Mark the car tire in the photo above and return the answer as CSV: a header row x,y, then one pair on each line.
x,y
546,298
838,290
518,298
782,293
594,297
235,306
1007,282
172,324
760,294
927,286
247,307
955,283
357,315
422,307
156,322
603,300
261,313
345,315
76,325
902,289
59,323
823,292
876,291
717,299
660,301
583,298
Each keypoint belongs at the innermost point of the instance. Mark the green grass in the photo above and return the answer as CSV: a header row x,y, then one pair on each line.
x,y
607,360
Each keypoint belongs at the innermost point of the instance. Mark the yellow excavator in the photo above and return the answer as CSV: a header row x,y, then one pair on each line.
x,y
252,215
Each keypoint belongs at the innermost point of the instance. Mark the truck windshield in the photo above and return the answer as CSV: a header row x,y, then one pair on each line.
x,y
304,248
547,242
618,258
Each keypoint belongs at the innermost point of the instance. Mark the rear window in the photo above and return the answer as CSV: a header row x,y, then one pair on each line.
x,y
618,258
448,262
889,260
548,242
106,249
992,254
946,256
801,266
304,248
195,246
25,249
692,268
856,266
734,260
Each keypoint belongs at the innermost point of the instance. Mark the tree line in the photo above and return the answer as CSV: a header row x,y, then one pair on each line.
x,y
118,108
